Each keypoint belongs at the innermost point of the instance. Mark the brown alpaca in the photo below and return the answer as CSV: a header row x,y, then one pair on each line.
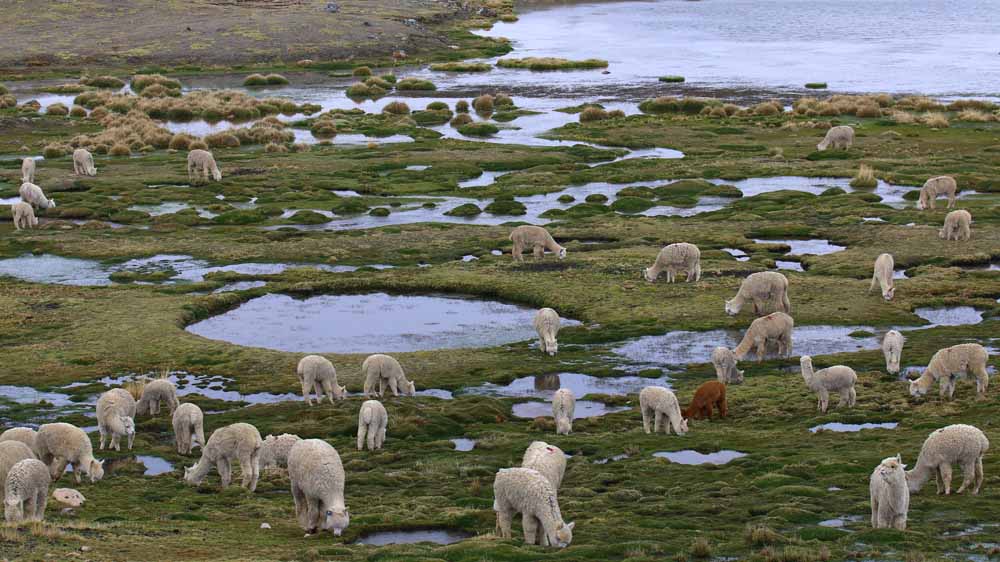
x,y
709,394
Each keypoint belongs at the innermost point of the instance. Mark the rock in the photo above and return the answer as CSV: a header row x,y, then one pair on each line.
x,y
605,72
68,496
265,526
332,7
85,549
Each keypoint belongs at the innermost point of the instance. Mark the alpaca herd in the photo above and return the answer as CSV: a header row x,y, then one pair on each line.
x,y
31,461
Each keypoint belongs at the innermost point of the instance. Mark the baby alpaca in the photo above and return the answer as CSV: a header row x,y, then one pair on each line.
x,y
11,453
385,371
725,366
239,441
890,494
199,164
24,216
547,325
884,267
34,196
317,478
317,374
959,443
892,348
957,226
27,491
709,394
528,492
563,405
275,451
547,459
762,289
83,163
832,379
838,137
673,259
775,327
372,420
950,363
536,238
941,185
153,394
657,403
60,444
28,170
116,417
189,427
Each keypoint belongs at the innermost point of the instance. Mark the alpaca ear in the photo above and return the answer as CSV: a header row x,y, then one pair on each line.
x,y
570,525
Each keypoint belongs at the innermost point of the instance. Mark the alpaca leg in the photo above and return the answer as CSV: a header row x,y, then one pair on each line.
x,y
116,442
723,407
824,400
362,429
372,435
946,477
938,482
307,392
504,522
101,429
225,471
761,349
852,398
516,252
982,379
538,252
312,513
979,476
57,467
328,389
968,475
300,503
657,421
41,500
530,525
645,420
875,518
874,283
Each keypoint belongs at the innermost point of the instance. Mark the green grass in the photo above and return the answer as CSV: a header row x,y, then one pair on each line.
x,y
816,85
672,79
552,63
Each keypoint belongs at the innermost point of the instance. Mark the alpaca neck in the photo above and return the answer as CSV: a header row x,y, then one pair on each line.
x,y
916,478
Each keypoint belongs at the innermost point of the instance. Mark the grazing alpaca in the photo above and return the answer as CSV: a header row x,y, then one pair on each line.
x,y
712,393
199,164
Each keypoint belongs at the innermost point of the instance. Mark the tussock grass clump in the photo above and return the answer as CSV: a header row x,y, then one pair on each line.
x,y
865,177
959,105
461,119
437,106
902,117
364,90
324,127
701,548
135,388
396,108
376,82
65,89
275,148
301,147
78,111
478,129
198,145
762,535
3,90
503,101
766,108
415,84
672,79
461,67
142,81
461,106
102,82
55,150
593,114
120,149
361,71
57,109
181,141
135,130
616,114
256,80
975,116
31,106
483,104
666,104
868,110
7,101
816,85
551,63
262,132
390,78
934,119
919,103
159,91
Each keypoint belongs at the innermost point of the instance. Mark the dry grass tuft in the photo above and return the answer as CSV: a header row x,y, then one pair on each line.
x,y
461,119
593,114
975,115
865,177
57,109
483,104
396,108
120,149
701,548
936,120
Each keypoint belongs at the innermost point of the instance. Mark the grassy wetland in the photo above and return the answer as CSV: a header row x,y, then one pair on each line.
x,y
322,199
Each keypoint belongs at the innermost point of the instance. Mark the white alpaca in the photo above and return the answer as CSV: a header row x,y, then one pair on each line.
x,y
957,226
884,267
536,238
838,137
940,185
832,379
383,370
890,494
528,492
892,349
547,325
724,362
28,170
61,444
239,441
563,406
547,459
34,196
317,478
24,216
657,403
201,163
676,258
116,417
372,421
26,491
949,364
189,427
83,163
775,327
317,375
762,289
959,443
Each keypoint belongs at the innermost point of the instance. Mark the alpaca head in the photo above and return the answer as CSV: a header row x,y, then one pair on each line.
x,y
806,364
564,535
551,346
129,424
916,389
562,253
217,174
648,275
336,520
410,388
889,293
95,470
733,308
823,144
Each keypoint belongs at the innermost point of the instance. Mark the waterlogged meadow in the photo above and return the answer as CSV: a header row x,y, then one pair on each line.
x,y
366,204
